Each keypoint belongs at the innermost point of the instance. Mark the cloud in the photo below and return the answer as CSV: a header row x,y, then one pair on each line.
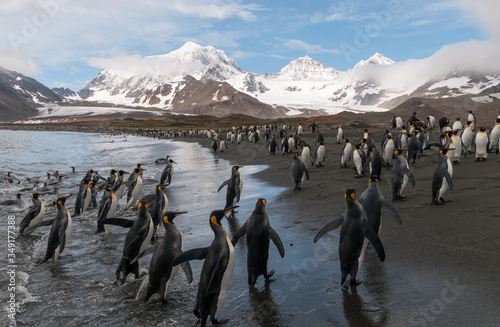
x,y
306,47
21,62
485,14
217,11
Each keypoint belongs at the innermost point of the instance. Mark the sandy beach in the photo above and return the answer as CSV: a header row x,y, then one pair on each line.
x,y
441,266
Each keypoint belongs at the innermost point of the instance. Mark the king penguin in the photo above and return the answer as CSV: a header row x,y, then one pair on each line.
x,y
320,154
481,142
168,171
216,272
34,215
134,188
234,187
107,208
259,235
400,176
119,187
60,231
136,243
161,271
373,202
441,181
345,155
299,171
355,227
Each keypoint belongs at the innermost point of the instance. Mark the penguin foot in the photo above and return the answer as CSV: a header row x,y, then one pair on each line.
x,y
444,201
269,275
354,282
477,159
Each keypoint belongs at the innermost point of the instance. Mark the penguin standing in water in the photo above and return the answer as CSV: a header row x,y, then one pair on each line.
x,y
400,176
161,271
158,208
259,235
441,181
60,231
214,145
83,193
119,187
373,202
234,187
34,215
134,188
168,171
355,227
18,200
299,171
216,272
107,208
136,243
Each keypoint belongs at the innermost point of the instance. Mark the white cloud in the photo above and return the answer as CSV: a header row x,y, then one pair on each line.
x,y
21,62
306,47
216,10
485,14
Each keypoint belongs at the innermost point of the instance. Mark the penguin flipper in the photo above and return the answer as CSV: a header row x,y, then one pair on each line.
x,y
187,270
329,227
222,185
239,233
390,209
410,176
271,233
47,222
306,172
447,176
193,254
127,223
373,238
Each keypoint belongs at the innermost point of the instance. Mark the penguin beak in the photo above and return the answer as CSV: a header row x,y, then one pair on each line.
x,y
180,213
228,210
68,196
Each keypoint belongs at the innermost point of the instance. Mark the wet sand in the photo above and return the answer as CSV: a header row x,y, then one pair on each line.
x,y
441,266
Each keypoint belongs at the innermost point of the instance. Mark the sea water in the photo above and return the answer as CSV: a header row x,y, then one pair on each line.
x,y
80,288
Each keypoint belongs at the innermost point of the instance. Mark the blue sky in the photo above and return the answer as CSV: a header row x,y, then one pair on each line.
x,y
56,41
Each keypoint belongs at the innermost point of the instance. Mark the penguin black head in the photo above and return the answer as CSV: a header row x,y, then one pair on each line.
x,y
159,187
85,181
142,204
138,170
350,193
121,172
18,196
399,152
35,196
169,216
482,129
107,188
237,167
389,136
373,178
217,215
296,154
112,172
62,200
171,161
260,204
321,143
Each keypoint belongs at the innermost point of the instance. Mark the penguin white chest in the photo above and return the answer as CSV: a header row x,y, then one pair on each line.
x,y
228,273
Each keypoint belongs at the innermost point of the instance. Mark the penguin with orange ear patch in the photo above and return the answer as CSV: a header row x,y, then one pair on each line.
x,y
354,228
216,272
259,235
136,243
161,270
60,231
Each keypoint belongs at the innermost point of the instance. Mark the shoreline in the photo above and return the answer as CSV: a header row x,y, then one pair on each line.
x,y
449,249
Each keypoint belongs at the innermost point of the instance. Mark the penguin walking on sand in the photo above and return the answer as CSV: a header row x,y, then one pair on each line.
x,y
306,155
374,162
259,235
340,134
284,145
34,215
400,176
273,145
299,171
291,143
472,119
136,243
494,137
441,181
373,202
320,154
60,231
346,154
466,139
234,187
443,122
359,160
168,171
216,272
355,227
388,150
222,145
107,208
482,143
134,187
457,145
431,122
161,271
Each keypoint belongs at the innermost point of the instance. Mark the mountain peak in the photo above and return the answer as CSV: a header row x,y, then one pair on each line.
x,y
376,59
306,67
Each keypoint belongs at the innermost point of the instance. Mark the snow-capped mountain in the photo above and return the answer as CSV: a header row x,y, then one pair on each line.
x,y
21,95
375,84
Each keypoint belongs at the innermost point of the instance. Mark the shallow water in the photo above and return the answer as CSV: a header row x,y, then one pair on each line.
x,y
80,288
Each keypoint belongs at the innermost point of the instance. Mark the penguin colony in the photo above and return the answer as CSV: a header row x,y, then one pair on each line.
x,y
360,224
